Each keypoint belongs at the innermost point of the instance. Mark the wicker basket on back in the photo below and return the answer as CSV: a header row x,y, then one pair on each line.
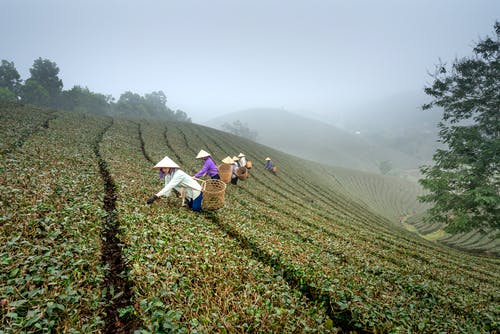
x,y
242,173
213,194
225,172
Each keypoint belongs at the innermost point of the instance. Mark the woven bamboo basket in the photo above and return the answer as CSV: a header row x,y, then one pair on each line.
x,y
275,169
225,171
249,164
213,194
242,173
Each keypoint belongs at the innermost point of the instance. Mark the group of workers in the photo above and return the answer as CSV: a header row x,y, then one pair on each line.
x,y
179,181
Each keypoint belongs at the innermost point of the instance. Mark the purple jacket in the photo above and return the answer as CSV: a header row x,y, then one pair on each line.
x,y
209,167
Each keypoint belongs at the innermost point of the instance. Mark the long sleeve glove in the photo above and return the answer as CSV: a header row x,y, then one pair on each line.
x,y
152,199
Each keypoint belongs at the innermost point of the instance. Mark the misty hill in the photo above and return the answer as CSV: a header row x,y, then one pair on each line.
x,y
397,122
318,141
305,250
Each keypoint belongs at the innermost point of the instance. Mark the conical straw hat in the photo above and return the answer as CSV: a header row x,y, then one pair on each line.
x,y
241,155
202,154
228,160
166,162
235,158
268,158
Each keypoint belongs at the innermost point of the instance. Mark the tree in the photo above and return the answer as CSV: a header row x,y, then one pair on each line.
x,y
9,77
156,105
82,99
6,95
32,92
385,167
45,73
130,105
464,183
181,116
240,129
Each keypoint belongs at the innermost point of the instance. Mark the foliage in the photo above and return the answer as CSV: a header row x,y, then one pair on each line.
x,y
44,89
385,167
240,129
9,77
6,95
45,72
82,99
148,106
33,92
50,224
464,183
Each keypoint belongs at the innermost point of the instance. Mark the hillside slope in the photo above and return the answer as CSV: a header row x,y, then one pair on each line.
x,y
81,250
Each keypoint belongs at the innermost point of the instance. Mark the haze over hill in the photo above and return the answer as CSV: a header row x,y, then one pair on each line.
x,y
397,133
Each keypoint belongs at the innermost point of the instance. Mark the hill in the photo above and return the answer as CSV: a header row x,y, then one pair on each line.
x,y
397,122
318,141
291,252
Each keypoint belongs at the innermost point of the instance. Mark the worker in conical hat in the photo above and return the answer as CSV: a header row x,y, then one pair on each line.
x,y
175,179
269,164
243,160
232,161
209,166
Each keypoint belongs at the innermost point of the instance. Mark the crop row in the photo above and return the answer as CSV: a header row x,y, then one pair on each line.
x,y
52,275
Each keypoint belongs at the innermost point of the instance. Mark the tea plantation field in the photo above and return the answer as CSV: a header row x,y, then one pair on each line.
x,y
305,250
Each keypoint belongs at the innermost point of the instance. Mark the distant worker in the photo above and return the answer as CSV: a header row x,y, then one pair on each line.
x,y
236,161
209,166
234,166
269,165
176,179
243,160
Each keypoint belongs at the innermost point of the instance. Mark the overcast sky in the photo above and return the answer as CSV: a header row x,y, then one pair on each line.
x,y
219,56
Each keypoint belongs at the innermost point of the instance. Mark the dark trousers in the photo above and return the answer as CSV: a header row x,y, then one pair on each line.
x,y
195,204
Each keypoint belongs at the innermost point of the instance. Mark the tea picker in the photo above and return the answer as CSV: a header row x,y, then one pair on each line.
x,y
209,167
176,179
270,165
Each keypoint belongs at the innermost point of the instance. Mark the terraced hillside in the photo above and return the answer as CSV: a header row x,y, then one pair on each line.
x,y
396,199
82,252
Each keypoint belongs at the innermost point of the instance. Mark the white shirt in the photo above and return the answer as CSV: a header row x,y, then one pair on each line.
x,y
177,180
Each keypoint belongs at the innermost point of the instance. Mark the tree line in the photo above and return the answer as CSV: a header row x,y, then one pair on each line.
x,y
44,88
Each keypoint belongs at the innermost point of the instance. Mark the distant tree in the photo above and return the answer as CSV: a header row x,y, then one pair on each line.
x,y
82,99
9,77
240,129
6,95
385,167
464,183
151,106
130,105
156,105
34,93
45,73
181,116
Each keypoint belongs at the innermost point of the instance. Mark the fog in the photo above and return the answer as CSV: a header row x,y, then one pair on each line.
x,y
316,57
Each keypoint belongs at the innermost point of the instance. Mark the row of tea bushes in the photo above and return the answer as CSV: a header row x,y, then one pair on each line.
x,y
51,277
